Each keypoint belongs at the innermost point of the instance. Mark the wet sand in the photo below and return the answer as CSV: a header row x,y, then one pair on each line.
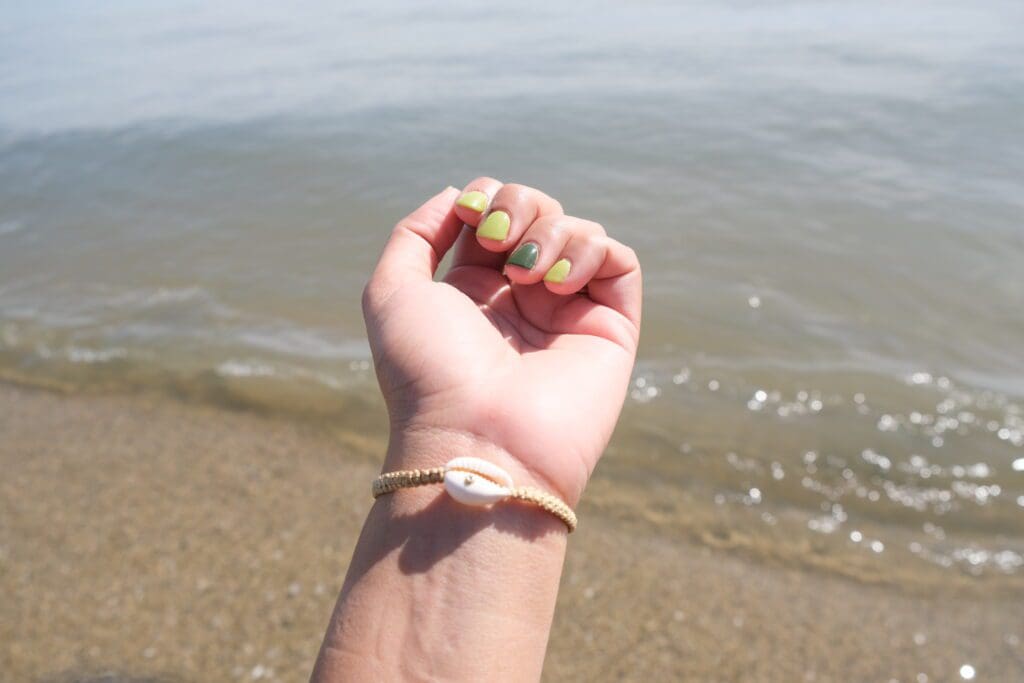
x,y
143,538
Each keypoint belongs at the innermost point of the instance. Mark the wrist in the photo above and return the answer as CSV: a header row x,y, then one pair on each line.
x,y
431,576
418,446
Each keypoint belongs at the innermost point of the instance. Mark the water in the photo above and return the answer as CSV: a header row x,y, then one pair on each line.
x,y
826,198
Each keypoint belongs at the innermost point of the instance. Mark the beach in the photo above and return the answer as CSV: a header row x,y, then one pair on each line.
x,y
818,473
148,539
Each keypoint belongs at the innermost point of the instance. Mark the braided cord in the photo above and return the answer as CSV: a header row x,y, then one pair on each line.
x,y
404,479
548,502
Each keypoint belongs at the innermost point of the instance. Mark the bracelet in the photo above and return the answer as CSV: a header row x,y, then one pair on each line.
x,y
473,481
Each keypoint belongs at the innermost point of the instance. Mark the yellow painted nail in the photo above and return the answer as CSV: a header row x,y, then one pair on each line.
x,y
495,226
558,272
474,201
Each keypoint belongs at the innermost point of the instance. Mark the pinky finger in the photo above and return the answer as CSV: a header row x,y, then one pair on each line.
x,y
618,283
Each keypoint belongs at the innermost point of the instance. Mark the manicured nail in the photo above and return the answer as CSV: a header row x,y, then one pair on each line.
x,y
558,272
525,256
474,201
495,226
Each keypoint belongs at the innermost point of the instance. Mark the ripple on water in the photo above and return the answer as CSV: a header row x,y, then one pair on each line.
x,y
880,459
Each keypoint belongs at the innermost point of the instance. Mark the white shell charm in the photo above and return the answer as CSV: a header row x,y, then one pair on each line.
x,y
473,481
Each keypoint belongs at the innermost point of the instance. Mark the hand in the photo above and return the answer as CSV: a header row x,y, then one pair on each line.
x,y
494,361
498,363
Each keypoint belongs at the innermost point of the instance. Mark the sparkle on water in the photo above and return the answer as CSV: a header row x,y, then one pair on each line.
x,y
912,473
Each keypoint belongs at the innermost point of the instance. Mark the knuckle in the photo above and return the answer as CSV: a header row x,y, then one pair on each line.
x,y
556,231
594,242
514,193
630,256
517,193
584,228
483,181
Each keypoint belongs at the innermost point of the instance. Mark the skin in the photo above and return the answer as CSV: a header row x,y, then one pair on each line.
x,y
493,362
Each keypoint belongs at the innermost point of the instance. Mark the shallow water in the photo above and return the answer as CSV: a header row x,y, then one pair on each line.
x,y
826,198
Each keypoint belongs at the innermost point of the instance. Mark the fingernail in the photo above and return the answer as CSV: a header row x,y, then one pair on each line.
x,y
474,201
495,226
558,272
525,256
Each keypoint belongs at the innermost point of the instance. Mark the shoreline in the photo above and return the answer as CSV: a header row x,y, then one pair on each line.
x,y
149,537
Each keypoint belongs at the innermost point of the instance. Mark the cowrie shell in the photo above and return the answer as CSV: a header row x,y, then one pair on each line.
x,y
473,481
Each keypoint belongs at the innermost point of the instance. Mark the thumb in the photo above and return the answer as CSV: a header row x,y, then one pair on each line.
x,y
416,247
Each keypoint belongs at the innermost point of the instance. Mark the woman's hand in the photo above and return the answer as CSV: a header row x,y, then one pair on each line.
x,y
498,360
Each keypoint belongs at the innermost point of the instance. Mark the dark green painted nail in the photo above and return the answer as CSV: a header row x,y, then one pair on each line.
x,y
525,256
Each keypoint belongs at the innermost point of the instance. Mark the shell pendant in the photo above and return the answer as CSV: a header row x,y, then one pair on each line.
x,y
473,481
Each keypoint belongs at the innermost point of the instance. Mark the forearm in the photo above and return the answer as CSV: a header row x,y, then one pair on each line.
x,y
440,590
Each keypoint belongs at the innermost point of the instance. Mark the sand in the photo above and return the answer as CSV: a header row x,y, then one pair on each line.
x,y
145,539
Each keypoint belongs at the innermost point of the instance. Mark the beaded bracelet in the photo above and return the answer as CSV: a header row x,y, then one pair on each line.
x,y
473,481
